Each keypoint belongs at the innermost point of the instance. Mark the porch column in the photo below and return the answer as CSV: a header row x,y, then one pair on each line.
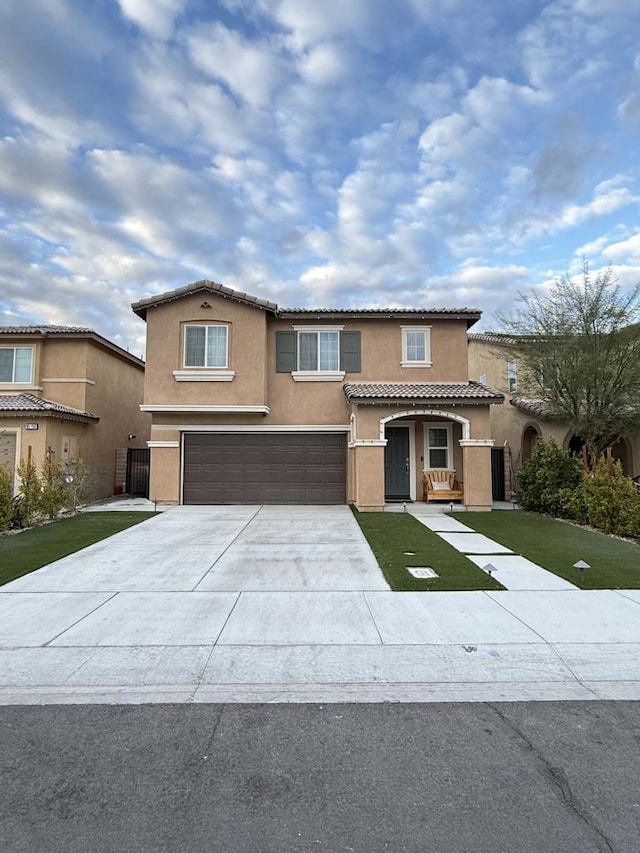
x,y
369,474
476,466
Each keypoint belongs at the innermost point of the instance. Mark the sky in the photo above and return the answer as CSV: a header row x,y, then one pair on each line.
x,y
316,153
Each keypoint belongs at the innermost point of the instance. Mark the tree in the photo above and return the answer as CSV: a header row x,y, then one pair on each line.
x,y
579,347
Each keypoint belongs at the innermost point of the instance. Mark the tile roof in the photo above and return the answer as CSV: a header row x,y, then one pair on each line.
x,y
493,338
204,286
471,315
540,408
45,330
12,404
432,392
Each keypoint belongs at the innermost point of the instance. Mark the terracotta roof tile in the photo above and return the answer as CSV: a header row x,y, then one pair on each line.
x,y
45,330
11,404
471,392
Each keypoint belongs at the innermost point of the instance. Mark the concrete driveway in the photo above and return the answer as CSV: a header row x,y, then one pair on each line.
x,y
288,604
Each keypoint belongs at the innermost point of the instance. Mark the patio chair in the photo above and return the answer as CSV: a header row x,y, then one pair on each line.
x,y
441,486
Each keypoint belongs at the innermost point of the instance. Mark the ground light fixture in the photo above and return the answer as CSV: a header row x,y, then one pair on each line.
x,y
582,566
489,568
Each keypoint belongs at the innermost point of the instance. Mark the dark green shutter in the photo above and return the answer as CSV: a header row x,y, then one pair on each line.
x,y
350,352
286,352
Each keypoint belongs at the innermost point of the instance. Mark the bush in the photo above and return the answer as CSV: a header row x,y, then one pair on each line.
x,y
77,481
53,494
609,501
549,479
6,507
30,490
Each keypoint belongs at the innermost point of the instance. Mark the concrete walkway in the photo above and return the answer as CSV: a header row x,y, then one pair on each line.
x,y
244,604
511,570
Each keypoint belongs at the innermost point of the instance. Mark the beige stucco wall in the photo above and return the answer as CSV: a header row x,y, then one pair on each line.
x,y
165,353
115,397
164,479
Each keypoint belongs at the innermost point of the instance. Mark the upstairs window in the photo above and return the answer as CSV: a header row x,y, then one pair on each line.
x,y
206,346
320,354
512,377
16,364
416,346
319,351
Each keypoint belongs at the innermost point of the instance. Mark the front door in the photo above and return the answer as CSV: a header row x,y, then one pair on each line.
x,y
396,464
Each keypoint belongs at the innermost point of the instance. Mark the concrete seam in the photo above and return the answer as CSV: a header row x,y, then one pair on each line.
x,y
84,616
235,539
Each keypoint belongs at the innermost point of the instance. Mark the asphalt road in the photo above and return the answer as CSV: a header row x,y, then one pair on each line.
x,y
516,777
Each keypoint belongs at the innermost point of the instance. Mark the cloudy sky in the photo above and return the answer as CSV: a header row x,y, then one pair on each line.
x,y
335,153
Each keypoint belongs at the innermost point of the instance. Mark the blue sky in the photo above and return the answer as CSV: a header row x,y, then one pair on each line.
x,y
343,153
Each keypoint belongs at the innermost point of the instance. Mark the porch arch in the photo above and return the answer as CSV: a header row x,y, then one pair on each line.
x,y
435,413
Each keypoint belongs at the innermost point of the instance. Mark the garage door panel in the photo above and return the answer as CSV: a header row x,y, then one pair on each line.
x,y
273,468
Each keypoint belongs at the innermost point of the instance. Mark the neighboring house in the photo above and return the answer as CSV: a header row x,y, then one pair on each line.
x,y
67,392
518,425
252,403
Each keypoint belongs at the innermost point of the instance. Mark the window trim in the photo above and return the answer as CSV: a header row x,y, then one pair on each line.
x,y
317,375
203,367
13,380
426,426
406,362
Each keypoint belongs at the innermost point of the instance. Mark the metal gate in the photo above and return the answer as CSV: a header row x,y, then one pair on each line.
x,y
497,473
138,462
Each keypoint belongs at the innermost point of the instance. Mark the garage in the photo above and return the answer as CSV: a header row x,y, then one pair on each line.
x,y
264,468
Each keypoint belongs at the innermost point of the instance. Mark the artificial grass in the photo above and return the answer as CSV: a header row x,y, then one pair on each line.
x,y
391,534
24,552
556,546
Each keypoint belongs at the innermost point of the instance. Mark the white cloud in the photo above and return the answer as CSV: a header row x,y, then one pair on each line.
x,y
251,69
625,251
155,17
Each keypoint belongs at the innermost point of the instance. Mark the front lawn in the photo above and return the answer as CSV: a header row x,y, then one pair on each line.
x,y
24,552
557,545
392,534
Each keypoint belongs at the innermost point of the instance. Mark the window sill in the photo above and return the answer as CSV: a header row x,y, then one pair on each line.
x,y
416,363
204,375
318,375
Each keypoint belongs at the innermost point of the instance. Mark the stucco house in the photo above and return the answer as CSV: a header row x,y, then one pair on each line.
x,y
67,392
253,403
518,424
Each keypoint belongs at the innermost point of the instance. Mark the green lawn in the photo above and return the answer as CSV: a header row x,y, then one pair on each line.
x,y
24,552
556,546
391,534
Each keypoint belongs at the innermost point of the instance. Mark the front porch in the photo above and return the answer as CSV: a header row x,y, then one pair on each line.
x,y
396,441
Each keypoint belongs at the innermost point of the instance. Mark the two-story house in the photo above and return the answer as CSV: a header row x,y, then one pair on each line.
x,y
67,392
518,425
252,403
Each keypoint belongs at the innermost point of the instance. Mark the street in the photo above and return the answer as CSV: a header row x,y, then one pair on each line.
x,y
335,777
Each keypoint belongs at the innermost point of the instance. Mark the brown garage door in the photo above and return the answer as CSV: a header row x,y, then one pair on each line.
x,y
266,468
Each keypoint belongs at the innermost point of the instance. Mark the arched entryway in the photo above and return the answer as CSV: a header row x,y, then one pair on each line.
x,y
530,436
417,440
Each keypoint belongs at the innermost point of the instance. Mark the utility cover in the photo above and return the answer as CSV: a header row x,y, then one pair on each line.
x,y
423,572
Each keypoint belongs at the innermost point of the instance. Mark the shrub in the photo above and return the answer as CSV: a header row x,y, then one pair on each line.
x,y
77,479
549,479
30,490
52,492
609,500
6,508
